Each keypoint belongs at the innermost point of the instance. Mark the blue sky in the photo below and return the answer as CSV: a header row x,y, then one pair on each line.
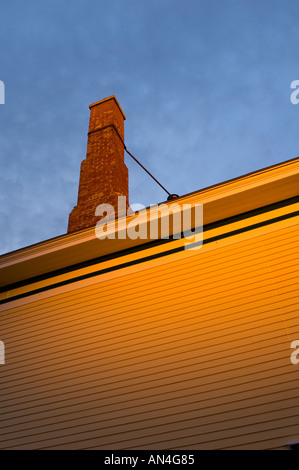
x,y
205,86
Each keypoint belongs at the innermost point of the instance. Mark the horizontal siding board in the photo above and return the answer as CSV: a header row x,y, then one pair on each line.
x,y
148,355
134,430
279,392
189,273
200,297
276,401
194,352
253,440
203,389
227,252
19,427
238,252
166,337
184,254
125,360
222,255
94,305
239,332
224,267
157,320
201,375
273,327
167,438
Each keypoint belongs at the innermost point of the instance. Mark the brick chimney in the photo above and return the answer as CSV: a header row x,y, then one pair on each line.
x,y
103,175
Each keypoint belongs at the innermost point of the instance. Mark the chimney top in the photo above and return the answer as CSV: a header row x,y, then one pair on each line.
x,y
108,99
103,175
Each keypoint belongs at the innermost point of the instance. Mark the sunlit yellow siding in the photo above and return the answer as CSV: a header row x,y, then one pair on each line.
x,y
185,350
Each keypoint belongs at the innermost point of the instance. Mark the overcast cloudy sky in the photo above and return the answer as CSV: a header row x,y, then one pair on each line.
x,y
205,86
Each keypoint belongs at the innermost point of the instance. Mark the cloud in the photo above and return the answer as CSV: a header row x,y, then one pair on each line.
x,y
204,85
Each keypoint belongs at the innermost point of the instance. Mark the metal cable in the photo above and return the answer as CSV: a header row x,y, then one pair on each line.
x,y
170,196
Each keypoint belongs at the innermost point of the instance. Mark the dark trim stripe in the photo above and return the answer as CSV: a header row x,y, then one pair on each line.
x,y
145,246
149,258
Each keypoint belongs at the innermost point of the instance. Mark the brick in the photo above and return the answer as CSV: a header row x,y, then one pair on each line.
x,y
103,174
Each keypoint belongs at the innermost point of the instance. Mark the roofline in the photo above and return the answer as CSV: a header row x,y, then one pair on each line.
x,y
246,175
221,201
193,193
